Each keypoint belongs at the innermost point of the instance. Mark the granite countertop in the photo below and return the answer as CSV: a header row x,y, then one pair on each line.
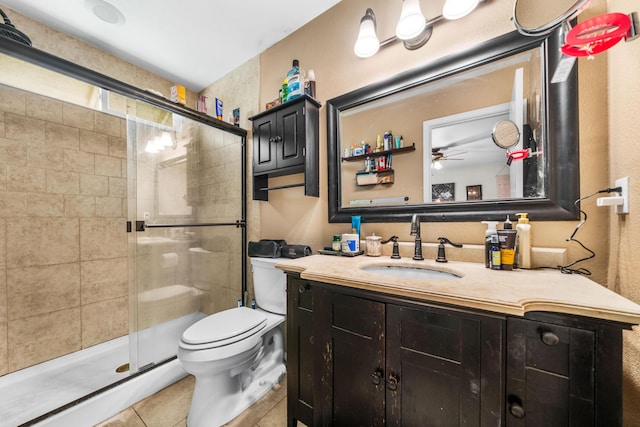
x,y
510,292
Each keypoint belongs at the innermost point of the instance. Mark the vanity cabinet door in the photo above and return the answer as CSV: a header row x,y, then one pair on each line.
x,y
300,352
351,357
446,367
563,372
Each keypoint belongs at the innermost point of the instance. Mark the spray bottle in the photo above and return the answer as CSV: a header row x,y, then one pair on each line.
x,y
490,231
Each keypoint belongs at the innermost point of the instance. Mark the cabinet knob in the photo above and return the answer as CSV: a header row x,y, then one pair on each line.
x,y
549,338
303,288
392,383
376,377
516,410
311,340
277,139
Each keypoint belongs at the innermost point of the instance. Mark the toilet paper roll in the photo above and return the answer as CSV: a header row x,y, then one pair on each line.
x,y
169,260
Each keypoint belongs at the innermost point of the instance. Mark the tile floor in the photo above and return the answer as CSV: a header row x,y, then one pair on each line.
x,y
170,406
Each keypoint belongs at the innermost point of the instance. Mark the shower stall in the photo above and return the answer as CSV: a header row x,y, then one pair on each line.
x,y
125,223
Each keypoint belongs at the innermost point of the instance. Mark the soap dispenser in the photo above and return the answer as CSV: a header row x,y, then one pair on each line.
x,y
489,232
524,240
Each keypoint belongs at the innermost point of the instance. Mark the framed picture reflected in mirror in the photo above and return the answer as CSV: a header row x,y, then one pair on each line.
x,y
474,192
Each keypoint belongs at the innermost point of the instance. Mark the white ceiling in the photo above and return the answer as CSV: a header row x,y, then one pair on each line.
x,y
191,42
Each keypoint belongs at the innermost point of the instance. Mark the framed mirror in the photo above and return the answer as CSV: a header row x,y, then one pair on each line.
x,y
423,141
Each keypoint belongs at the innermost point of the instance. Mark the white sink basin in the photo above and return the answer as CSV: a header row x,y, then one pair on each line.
x,y
410,272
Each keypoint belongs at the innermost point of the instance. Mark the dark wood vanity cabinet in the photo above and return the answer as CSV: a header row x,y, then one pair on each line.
x,y
285,141
360,358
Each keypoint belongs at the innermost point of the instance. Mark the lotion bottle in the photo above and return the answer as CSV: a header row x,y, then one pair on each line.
x,y
524,240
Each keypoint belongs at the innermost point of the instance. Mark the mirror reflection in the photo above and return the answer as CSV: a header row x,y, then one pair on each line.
x,y
435,143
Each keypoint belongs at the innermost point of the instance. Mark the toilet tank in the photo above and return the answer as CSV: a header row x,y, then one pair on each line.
x,y
269,284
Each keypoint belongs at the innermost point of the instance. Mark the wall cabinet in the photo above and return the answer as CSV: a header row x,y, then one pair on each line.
x,y
378,360
285,141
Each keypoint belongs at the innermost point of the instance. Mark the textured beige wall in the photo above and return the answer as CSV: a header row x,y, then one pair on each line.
x,y
624,235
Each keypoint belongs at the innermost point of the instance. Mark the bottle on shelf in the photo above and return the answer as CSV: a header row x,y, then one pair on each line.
x,y
310,84
284,91
295,85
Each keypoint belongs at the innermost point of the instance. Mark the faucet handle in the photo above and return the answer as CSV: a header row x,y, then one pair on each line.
x,y
441,253
444,240
396,249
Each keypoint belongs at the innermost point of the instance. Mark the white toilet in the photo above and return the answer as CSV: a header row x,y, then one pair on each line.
x,y
237,355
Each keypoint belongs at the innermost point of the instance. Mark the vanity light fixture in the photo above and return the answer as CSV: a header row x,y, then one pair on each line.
x,y
413,29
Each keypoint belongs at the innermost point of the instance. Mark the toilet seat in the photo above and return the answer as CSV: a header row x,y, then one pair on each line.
x,y
223,328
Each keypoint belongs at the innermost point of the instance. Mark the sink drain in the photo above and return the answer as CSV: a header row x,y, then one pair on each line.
x,y
122,368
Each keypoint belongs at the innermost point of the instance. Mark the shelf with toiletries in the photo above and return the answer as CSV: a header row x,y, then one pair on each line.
x,y
407,149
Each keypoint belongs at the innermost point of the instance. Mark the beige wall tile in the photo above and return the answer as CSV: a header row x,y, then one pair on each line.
x,y
93,142
35,291
117,147
38,338
3,246
104,279
102,238
45,205
43,108
63,182
92,185
13,152
13,204
109,166
79,161
61,136
2,127
21,128
108,124
12,100
45,157
79,206
25,179
42,241
117,187
109,207
76,116
4,345
104,320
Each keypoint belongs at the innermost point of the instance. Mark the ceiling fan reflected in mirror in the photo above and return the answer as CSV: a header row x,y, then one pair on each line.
x,y
437,157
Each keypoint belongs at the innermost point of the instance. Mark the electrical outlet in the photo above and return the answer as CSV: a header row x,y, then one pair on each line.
x,y
623,183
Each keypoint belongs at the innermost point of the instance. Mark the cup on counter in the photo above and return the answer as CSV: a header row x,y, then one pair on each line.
x,y
374,245
350,243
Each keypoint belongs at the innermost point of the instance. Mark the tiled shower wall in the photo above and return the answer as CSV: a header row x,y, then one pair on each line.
x,y
63,245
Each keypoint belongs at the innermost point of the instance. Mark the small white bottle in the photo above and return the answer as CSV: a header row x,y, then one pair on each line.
x,y
524,240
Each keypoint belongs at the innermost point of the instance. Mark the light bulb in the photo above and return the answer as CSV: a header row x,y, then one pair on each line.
x,y
367,43
412,22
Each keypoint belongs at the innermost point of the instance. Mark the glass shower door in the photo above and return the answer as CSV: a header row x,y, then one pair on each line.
x,y
186,248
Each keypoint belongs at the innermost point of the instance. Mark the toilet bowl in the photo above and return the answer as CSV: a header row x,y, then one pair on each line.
x,y
237,355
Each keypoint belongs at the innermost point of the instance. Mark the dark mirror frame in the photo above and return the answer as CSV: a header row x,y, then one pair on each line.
x,y
562,166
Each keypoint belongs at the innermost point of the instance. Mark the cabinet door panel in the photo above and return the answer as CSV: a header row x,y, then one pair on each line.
x,y
291,131
550,378
263,149
445,361
300,352
352,344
